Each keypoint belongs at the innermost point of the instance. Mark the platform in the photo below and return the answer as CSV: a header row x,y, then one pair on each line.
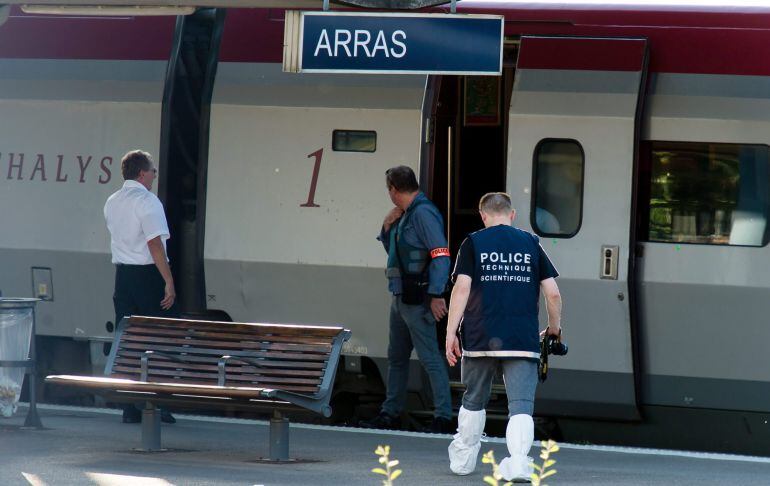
x,y
82,446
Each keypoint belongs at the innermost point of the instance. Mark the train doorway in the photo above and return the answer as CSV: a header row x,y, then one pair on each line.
x,y
465,144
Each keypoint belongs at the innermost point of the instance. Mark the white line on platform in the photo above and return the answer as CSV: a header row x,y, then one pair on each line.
x,y
102,479
712,456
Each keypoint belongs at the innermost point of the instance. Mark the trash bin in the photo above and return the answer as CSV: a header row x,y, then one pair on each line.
x,y
16,326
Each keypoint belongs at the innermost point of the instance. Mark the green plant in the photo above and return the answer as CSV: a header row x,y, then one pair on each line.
x,y
389,473
540,472
494,479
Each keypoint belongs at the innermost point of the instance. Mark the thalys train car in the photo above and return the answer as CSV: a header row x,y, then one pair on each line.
x,y
633,138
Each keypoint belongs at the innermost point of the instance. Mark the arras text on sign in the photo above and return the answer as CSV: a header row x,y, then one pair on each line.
x,y
358,42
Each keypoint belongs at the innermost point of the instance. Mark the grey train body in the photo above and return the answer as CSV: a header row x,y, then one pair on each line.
x,y
673,317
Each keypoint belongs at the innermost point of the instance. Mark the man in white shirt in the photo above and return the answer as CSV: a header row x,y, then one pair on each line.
x,y
138,233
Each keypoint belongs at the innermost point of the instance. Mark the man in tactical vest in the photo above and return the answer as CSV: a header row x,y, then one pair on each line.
x,y
498,276
418,270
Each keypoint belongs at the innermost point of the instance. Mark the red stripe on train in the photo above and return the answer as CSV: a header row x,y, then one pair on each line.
x,y
691,42
583,54
54,37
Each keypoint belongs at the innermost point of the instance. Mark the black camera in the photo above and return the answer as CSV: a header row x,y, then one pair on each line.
x,y
553,345
549,345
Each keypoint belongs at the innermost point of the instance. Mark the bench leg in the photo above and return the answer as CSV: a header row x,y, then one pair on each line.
x,y
279,437
150,428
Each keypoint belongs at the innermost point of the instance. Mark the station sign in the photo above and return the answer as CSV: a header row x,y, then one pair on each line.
x,y
397,43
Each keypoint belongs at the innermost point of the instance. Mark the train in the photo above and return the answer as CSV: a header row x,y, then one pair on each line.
x,y
633,138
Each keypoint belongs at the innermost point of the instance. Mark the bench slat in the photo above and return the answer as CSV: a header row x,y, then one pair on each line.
x,y
304,389
281,330
263,363
222,352
232,367
119,384
244,344
249,336
262,380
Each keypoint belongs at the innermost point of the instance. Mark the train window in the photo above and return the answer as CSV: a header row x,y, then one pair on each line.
x,y
354,140
707,193
557,198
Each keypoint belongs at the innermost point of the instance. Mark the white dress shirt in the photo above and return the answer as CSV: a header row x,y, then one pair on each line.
x,y
134,216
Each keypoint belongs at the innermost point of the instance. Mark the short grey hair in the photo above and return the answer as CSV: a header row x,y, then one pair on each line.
x,y
495,203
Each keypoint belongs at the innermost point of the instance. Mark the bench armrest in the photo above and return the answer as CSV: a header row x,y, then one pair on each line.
x,y
222,364
145,361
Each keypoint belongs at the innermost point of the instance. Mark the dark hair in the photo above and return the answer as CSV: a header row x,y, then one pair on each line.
x,y
495,203
402,179
134,162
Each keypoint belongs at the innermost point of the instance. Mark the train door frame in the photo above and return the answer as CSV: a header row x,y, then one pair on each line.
x,y
437,174
440,152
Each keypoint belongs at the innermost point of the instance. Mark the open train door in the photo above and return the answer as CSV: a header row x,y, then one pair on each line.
x,y
572,144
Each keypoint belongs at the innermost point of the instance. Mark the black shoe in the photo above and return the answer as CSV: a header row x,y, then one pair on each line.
x,y
166,417
131,415
441,425
381,421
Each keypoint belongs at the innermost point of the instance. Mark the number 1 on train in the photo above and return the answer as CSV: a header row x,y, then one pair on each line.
x,y
311,195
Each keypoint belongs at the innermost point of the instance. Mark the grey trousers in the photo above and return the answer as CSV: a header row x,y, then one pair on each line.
x,y
519,375
413,327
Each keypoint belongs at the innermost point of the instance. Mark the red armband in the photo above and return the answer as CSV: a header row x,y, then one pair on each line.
x,y
439,252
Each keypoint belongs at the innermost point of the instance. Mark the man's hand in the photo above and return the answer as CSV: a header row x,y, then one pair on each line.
x,y
551,331
453,351
158,252
391,218
168,297
438,308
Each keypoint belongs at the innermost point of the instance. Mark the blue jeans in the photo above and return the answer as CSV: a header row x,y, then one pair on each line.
x,y
519,375
413,326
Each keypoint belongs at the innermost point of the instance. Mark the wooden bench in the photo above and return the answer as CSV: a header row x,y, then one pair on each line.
x,y
219,365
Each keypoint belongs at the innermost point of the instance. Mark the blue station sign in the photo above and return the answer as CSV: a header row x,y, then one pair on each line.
x,y
353,42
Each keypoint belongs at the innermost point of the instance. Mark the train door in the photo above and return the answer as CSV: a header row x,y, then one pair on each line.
x,y
573,132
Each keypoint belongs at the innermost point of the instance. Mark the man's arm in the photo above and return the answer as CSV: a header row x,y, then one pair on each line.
x,y
159,257
429,229
390,218
553,305
457,303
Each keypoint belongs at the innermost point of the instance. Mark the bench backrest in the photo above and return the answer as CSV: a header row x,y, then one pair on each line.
x,y
293,358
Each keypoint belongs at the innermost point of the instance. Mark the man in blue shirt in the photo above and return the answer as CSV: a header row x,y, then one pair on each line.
x,y
418,269
499,274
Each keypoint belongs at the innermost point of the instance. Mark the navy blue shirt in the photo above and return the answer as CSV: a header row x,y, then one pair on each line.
x,y
506,266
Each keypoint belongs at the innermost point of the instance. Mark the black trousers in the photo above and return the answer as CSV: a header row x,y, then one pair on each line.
x,y
138,291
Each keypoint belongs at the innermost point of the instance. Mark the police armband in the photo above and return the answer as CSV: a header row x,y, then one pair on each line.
x,y
439,252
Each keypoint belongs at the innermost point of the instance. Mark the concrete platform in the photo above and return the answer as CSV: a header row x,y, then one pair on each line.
x,y
82,446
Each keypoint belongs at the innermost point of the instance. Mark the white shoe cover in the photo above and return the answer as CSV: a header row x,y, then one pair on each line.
x,y
519,436
464,449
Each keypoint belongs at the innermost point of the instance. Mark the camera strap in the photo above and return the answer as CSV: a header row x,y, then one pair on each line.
x,y
542,365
